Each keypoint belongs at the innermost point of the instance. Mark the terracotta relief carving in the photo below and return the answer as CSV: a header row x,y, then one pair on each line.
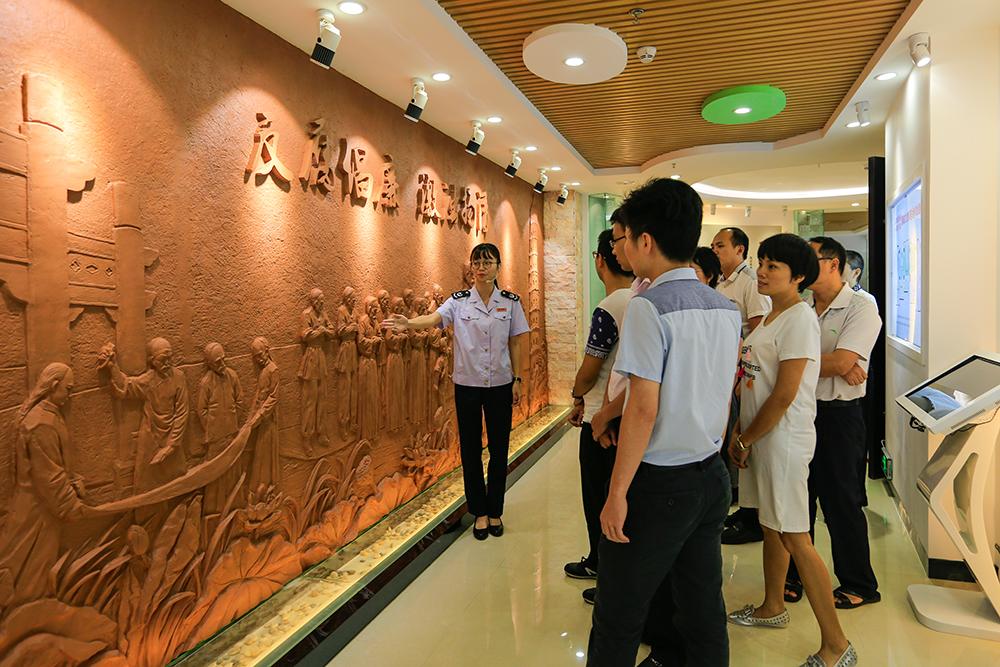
x,y
316,170
206,500
264,451
315,331
347,364
389,189
361,181
264,160
427,206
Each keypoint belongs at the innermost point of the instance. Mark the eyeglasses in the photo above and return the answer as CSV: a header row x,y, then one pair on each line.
x,y
616,240
483,263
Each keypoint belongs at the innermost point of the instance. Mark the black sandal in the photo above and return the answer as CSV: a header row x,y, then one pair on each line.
x,y
842,601
793,591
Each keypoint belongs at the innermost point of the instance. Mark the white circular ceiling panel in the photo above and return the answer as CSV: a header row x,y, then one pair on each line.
x,y
603,52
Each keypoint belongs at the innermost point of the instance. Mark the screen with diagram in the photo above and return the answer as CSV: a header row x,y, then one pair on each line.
x,y
905,266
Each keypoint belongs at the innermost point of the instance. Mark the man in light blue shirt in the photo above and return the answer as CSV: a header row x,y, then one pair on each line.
x,y
669,491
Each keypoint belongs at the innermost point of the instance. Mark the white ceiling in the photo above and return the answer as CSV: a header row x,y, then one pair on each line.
x,y
396,40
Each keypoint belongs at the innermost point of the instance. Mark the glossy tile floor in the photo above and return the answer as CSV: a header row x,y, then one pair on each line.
x,y
506,602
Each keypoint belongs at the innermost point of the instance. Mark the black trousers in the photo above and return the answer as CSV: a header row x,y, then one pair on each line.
x,y
471,405
596,464
674,525
836,481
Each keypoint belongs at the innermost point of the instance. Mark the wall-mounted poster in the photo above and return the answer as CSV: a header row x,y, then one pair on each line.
x,y
905,267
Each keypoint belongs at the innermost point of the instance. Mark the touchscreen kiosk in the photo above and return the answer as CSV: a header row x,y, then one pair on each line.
x,y
954,404
948,401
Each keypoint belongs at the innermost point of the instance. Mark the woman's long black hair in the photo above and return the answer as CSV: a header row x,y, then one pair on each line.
x,y
486,251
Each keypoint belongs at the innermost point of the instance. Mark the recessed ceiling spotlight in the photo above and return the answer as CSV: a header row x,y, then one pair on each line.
x,y
676,177
920,49
729,205
555,168
573,61
441,76
494,119
575,183
854,203
742,110
885,76
531,149
353,8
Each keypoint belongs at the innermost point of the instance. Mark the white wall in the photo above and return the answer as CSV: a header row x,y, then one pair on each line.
x,y
944,127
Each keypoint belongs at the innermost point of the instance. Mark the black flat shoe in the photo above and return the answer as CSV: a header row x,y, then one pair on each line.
x,y
480,533
497,530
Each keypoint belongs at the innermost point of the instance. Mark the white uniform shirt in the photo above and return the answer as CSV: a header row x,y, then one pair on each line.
x,y
851,322
605,328
794,334
684,336
482,334
740,287
617,383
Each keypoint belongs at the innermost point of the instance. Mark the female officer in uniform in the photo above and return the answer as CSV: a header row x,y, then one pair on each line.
x,y
489,323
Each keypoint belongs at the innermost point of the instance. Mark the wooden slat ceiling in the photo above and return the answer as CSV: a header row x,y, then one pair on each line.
x,y
814,50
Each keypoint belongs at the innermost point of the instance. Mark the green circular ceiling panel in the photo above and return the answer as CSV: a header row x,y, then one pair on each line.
x,y
743,104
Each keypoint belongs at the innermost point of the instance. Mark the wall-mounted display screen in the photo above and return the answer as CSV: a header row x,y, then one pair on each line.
x,y
905,297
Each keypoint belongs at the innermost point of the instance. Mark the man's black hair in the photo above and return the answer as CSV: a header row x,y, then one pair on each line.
x,y
670,212
608,255
738,237
709,264
856,261
831,249
795,252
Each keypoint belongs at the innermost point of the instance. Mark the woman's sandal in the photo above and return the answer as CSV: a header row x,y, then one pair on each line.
x,y
793,591
842,601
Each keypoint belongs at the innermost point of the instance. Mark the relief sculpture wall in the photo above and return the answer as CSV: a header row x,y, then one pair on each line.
x,y
200,233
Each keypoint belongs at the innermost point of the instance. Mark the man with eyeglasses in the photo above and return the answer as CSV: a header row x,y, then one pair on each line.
x,y
597,460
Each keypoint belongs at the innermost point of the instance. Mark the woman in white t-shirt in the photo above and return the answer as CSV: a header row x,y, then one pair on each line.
x,y
779,369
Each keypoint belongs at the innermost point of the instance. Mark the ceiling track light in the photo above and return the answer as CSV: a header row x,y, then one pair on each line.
x,y
472,148
864,118
746,212
418,99
326,41
543,178
563,194
515,164
920,49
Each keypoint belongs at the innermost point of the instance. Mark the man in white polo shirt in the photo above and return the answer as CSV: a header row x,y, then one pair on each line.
x,y
739,284
669,489
849,326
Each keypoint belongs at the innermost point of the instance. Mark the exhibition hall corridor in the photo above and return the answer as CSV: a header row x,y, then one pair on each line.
x,y
505,602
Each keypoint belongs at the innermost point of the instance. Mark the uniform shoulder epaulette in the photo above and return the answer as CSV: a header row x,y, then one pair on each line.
x,y
509,295
461,294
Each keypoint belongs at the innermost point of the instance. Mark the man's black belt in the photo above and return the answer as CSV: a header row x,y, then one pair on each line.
x,y
838,403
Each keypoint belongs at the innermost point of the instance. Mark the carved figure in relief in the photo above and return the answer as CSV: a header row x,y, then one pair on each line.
x,y
409,301
437,298
264,158
159,455
390,188
369,343
264,464
395,383
218,403
427,199
361,181
316,170
347,363
45,496
382,296
315,331
417,370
